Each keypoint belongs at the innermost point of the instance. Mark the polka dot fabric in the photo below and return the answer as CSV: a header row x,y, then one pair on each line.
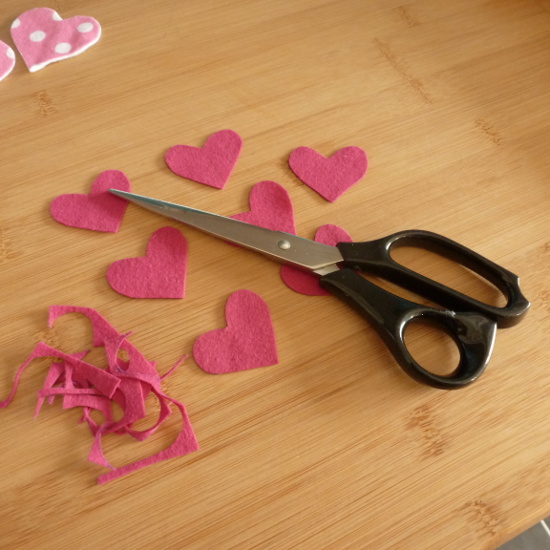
x,y
7,60
42,36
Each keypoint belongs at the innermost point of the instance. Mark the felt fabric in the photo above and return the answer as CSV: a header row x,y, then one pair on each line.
x,y
211,164
42,36
270,207
127,383
160,274
107,382
55,375
247,342
185,443
331,176
98,211
7,60
305,282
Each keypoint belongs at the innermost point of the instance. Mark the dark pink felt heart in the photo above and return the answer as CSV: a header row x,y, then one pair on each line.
x,y
270,207
247,342
211,164
98,211
308,283
331,176
159,274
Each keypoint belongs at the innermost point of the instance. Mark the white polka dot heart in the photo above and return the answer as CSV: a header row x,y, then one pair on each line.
x,y
42,37
7,60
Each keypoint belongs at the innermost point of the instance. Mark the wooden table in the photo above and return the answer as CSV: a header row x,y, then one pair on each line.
x,y
334,447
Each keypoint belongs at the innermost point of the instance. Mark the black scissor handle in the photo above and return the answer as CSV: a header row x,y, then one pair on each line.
x,y
473,333
375,257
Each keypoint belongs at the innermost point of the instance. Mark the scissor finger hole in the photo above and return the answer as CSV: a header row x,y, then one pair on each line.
x,y
432,348
448,272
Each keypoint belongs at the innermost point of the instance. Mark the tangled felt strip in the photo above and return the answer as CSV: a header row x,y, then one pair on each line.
x,y
125,382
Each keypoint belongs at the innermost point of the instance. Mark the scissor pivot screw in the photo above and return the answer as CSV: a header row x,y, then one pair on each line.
x,y
284,245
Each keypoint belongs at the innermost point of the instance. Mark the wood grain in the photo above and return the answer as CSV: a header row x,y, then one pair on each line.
x,y
334,447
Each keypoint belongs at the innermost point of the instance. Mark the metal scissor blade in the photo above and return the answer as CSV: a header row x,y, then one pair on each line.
x,y
278,245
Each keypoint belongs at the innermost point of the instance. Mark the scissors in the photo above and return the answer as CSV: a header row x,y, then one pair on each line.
x,y
471,323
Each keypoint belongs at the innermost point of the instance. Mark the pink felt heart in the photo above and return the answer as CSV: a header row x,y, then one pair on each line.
x,y
308,283
211,164
247,342
159,274
42,36
7,60
98,211
270,207
331,176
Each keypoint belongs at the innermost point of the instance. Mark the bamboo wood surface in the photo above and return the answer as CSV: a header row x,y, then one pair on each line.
x,y
334,447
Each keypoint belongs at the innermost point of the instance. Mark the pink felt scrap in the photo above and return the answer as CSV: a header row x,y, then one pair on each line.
x,y
125,382
247,342
159,274
270,207
42,36
331,177
211,164
7,60
305,282
98,211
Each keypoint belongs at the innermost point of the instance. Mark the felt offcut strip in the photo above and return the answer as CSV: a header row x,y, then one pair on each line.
x,y
126,382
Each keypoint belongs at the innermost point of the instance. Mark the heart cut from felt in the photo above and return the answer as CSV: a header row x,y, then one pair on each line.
x,y
7,60
98,211
211,164
270,207
159,274
331,177
42,36
305,282
247,342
